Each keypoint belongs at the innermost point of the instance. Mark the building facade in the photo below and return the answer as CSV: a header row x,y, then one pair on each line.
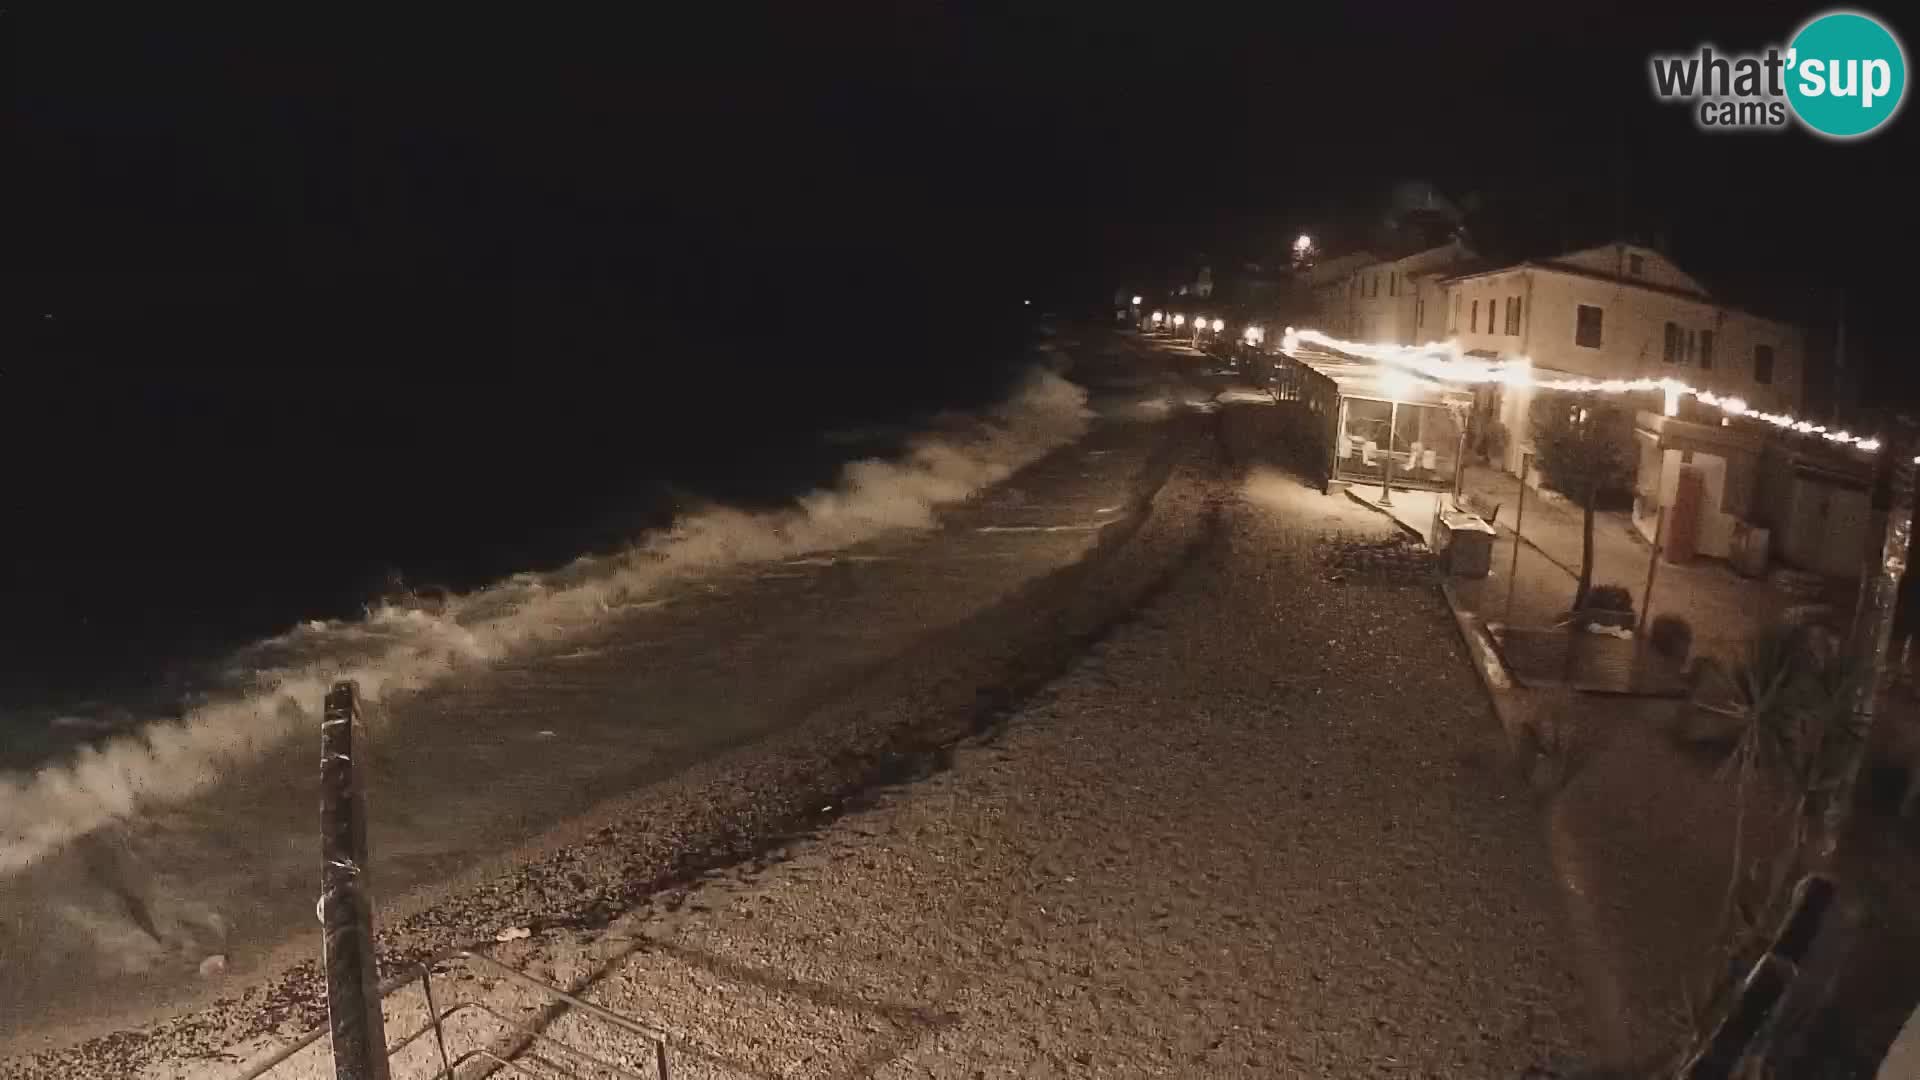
x,y
1624,312
1619,311
1368,298
1627,312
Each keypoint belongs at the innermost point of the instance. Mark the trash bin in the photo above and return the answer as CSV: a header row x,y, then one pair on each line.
x,y
1464,544
1749,556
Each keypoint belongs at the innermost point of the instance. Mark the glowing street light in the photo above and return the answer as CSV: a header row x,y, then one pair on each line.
x,y
1158,316
1136,301
1179,320
1219,325
1303,252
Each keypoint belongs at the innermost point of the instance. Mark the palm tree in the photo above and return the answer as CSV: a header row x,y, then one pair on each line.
x,y
1790,694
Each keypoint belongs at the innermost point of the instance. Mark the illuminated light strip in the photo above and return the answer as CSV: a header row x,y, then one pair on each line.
x,y
1445,361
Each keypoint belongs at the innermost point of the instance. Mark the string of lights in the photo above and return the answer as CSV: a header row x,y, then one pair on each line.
x,y
1445,361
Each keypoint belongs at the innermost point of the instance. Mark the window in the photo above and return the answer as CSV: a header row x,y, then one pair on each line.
x,y
1456,315
1636,265
1513,316
1763,364
1419,311
1392,284
1586,326
1474,323
1686,352
1670,345
1376,284
1706,350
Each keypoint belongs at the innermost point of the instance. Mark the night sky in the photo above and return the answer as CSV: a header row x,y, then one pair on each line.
x,y
509,267
830,163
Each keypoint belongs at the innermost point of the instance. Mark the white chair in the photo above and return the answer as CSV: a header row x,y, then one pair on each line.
x,y
1367,450
1430,461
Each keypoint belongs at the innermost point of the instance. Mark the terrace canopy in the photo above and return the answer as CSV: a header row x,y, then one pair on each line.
x,y
1372,416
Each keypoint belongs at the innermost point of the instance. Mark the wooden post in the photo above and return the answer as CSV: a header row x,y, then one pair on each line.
x,y
1653,567
1519,516
346,901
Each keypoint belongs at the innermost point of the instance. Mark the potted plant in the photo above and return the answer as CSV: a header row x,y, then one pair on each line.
x,y
1607,605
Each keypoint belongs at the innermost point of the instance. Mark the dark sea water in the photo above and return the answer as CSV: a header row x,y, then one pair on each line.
x,y
186,477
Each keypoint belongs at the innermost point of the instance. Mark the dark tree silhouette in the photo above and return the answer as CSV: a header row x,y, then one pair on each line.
x,y
1583,444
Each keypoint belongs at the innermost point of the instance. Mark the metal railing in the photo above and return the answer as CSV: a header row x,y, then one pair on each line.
x,y
524,1036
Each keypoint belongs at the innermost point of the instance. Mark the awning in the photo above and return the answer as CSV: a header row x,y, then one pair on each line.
x,y
1363,378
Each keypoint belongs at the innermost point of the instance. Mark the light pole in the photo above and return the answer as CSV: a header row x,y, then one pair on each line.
x,y
1398,384
1386,473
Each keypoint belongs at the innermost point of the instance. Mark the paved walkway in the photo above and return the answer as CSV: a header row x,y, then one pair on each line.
x,y
1723,608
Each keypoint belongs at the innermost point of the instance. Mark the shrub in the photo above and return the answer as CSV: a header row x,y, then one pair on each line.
x,y
1609,598
1671,636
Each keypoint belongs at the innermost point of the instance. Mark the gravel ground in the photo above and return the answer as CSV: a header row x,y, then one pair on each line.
x,y
1263,829
1225,800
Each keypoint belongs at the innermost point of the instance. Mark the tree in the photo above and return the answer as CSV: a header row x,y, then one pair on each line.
x,y
1583,444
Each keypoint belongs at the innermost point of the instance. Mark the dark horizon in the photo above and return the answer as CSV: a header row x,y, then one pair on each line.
x,y
944,161
567,247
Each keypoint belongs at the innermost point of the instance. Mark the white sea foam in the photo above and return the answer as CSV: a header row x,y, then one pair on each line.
x,y
404,647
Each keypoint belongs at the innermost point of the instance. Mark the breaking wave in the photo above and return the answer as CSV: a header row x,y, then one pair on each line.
x,y
399,647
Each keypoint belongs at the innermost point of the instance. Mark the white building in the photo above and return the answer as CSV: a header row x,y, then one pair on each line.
x,y
1627,312
1619,311
1403,300
1331,285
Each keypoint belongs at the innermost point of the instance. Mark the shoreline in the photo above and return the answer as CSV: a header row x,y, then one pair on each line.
x,y
892,723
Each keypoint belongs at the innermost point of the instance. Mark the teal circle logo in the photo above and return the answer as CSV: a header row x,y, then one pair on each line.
x,y
1846,74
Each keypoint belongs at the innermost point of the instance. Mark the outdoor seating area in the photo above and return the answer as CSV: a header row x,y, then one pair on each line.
x,y
1416,464
1379,419
1419,439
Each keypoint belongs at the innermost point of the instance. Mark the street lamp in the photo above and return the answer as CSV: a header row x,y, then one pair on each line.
x,y
1219,325
1303,252
1179,320
1136,301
